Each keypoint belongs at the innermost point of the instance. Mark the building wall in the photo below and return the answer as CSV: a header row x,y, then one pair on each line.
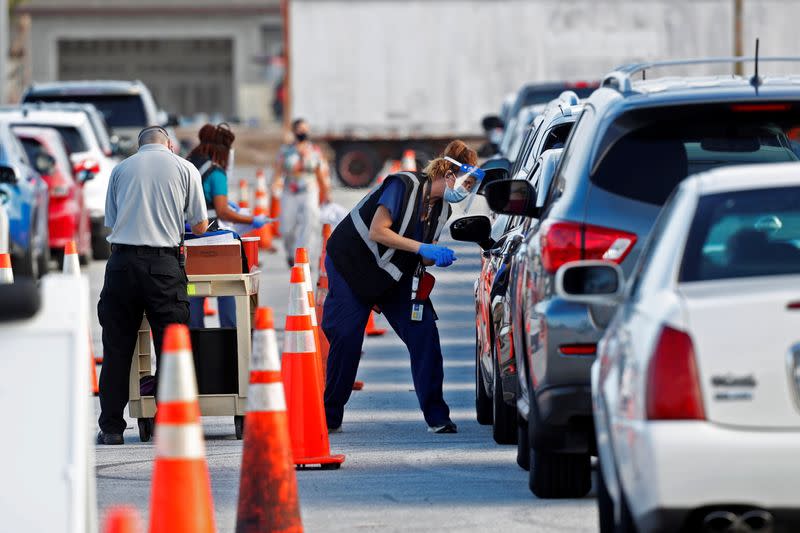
x,y
245,32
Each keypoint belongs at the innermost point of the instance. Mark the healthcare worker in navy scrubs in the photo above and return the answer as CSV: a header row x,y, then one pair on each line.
x,y
376,257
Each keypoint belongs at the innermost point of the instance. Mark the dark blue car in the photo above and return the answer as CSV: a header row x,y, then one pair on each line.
x,y
23,193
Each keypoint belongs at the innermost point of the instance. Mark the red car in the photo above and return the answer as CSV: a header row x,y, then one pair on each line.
x,y
68,216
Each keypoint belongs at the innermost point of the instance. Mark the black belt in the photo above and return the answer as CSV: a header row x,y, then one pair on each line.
x,y
145,250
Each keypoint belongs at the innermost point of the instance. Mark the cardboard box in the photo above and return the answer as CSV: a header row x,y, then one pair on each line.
x,y
214,259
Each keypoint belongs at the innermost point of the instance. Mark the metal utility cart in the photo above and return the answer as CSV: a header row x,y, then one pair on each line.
x,y
242,287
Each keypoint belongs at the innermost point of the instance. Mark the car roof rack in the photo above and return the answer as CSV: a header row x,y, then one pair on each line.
x,y
620,79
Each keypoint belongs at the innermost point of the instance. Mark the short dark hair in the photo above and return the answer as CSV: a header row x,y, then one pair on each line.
x,y
296,122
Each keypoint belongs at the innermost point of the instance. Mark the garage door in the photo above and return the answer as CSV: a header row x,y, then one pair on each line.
x,y
186,76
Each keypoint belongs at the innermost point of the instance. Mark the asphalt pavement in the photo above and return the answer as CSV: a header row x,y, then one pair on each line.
x,y
397,476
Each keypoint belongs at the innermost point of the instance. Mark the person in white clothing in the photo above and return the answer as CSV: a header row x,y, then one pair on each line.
x,y
304,177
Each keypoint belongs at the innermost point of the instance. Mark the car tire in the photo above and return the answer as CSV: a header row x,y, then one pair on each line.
x,y
625,524
26,266
523,444
483,402
357,165
504,416
560,475
101,248
605,505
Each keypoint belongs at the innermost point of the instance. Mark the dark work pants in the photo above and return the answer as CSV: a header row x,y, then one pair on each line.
x,y
136,282
343,322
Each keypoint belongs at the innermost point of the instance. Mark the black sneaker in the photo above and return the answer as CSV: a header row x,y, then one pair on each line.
x,y
337,429
110,438
447,427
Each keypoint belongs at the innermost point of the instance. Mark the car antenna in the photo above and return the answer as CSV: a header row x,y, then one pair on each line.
x,y
756,80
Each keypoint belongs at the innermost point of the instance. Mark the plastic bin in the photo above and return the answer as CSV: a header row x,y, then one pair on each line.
x,y
215,360
250,245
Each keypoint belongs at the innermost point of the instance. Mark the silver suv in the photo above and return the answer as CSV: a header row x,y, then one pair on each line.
x,y
634,142
128,106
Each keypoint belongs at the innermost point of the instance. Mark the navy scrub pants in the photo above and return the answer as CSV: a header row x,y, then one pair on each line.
x,y
343,322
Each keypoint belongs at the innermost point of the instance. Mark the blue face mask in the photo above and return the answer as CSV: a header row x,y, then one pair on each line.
x,y
453,196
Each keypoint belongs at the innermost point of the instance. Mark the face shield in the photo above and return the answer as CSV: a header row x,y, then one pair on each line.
x,y
458,193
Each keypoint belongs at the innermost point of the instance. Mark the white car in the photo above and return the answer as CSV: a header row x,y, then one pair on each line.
x,y
696,387
77,131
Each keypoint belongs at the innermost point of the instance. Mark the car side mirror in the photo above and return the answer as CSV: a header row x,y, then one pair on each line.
x,y
9,175
590,282
512,197
477,229
86,170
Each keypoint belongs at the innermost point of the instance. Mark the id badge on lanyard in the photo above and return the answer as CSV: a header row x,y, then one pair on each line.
x,y
417,307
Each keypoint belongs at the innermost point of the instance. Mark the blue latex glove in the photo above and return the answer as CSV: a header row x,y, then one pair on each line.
x,y
233,206
440,255
188,228
259,220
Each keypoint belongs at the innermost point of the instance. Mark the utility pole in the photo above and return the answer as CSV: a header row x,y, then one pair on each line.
x,y
738,35
5,29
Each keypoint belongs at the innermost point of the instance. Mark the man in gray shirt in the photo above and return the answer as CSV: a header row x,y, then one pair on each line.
x,y
150,194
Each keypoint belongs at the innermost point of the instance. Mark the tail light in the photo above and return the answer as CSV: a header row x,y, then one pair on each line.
x,y
578,349
673,383
563,242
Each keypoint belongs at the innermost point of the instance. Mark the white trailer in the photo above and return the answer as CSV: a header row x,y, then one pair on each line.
x,y
376,76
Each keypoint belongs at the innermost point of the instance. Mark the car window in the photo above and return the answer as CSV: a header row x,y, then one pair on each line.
x,y
119,110
581,134
557,136
32,148
530,156
645,155
71,135
743,234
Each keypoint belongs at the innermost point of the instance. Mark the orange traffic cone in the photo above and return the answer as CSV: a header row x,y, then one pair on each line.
x,y
372,330
73,267
71,263
301,377
394,168
93,372
122,519
262,208
267,486
409,161
275,213
301,259
244,194
207,309
6,274
319,298
181,492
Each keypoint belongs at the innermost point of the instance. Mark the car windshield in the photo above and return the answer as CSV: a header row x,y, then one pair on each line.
x,y
744,234
119,110
646,153
72,137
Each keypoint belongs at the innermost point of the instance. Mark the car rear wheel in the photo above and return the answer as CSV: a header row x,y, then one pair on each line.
x,y
504,427
483,402
605,505
101,248
357,164
523,444
559,475
26,266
